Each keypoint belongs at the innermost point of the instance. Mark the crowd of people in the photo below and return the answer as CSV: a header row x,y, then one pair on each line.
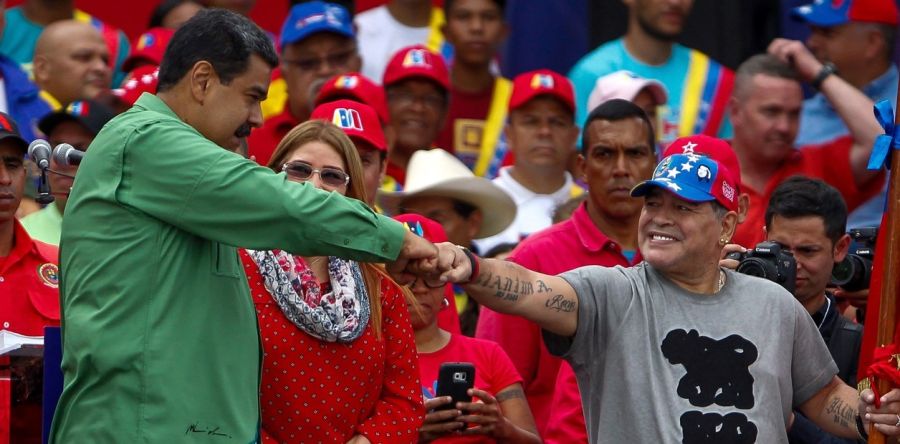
x,y
309,236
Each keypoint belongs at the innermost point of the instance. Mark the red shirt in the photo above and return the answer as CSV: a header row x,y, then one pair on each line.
x,y
570,244
465,124
567,424
316,391
29,286
493,371
829,162
263,140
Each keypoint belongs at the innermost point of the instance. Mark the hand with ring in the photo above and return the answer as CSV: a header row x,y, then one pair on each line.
x,y
887,418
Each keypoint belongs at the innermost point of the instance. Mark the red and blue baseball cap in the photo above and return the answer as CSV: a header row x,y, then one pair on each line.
x,y
92,115
718,149
828,13
693,177
358,121
431,230
355,86
532,84
417,61
149,48
308,18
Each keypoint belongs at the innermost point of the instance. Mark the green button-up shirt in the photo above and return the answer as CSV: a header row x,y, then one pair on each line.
x,y
160,340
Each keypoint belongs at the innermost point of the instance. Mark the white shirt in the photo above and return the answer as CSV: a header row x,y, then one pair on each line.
x,y
534,212
380,35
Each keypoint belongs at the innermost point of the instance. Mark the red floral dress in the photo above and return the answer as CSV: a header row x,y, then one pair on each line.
x,y
324,392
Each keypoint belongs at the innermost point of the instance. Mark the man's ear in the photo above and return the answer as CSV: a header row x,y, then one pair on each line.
x,y
202,75
841,248
40,69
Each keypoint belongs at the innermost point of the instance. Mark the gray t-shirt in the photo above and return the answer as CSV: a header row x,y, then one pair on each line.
x,y
656,363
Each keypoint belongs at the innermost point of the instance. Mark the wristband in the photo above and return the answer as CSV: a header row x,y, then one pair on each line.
x,y
827,69
861,428
473,263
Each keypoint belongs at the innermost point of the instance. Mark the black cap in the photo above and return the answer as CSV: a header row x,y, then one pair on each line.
x,y
89,113
10,131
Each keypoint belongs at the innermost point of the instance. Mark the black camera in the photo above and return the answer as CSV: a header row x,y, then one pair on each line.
x,y
768,261
854,272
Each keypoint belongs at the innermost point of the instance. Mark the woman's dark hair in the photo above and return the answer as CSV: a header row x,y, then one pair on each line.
x,y
163,9
223,38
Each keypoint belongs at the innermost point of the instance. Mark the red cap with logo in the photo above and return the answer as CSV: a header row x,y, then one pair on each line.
x,y
541,82
149,48
718,149
357,120
417,61
143,79
358,87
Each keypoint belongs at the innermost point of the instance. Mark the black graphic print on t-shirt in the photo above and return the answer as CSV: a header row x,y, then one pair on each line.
x,y
717,373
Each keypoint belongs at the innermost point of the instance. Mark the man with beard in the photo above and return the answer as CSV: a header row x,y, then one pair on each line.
x,y
317,43
160,338
765,110
617,152
76,125
71,63
698,86
417,86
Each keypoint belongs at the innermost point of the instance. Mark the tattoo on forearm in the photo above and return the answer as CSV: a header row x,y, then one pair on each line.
x,y
842,413
542,287
560,304
510,394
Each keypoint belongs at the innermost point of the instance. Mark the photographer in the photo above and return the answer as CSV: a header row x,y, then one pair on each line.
x,y
808,217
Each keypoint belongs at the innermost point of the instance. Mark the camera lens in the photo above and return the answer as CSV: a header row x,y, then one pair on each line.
x,y
853,273
755,266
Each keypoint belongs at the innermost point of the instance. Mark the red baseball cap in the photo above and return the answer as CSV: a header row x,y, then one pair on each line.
x,y
417,61
143,79
357,87
149,48
828,13
423,226
357,120
718,149
543,81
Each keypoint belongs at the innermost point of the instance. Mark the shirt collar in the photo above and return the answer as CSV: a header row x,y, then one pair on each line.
x,y
883,83
590,236
23,246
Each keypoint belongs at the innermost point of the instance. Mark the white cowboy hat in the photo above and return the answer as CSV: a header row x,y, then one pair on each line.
x,y
436,172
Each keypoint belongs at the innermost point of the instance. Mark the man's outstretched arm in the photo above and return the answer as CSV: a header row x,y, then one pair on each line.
x,y
506,287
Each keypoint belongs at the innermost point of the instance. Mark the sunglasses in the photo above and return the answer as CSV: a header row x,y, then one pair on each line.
x,y
332,177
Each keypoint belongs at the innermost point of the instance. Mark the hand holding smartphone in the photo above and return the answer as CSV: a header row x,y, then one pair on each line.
x,y
454,380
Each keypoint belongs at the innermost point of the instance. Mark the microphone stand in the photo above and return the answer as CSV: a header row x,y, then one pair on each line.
x,y
44,197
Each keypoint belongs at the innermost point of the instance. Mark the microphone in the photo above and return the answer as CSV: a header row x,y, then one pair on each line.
x,y
39,151
65,154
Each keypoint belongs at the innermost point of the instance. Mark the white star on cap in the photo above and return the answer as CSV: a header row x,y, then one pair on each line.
x,y
674,186
693,157
688,148
673,173
686,166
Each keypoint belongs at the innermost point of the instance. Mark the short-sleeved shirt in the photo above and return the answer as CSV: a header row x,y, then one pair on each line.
x,y
698,88
656,363
29,286
829,162
493,371
570,244
44,225
160,339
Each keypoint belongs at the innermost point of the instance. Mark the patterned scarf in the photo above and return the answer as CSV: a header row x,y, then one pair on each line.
x,y
338,316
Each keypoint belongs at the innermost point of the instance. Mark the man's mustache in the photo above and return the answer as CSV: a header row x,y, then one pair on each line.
x,y
243,131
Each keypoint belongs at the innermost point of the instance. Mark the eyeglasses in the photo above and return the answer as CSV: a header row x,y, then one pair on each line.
x,y
332,177
429,282
338,60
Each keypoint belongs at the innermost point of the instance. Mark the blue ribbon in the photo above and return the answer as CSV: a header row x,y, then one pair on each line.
x,y
887,141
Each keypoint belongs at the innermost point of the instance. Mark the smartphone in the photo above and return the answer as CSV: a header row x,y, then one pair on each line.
x,y
454,380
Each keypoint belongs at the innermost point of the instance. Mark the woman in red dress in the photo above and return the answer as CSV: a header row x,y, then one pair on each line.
x,y
339,363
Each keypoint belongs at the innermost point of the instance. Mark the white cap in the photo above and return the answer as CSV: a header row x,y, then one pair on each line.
x,y
624,85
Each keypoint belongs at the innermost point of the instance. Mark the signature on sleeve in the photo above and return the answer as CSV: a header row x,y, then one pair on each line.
x,y
198,427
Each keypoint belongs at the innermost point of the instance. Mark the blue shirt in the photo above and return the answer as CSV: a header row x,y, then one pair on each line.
x,y
692,105
819,123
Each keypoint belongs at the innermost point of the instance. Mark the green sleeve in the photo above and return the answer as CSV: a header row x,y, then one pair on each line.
x,y
172,173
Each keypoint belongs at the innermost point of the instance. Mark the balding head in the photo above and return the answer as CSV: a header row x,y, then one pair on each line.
x,y
71,61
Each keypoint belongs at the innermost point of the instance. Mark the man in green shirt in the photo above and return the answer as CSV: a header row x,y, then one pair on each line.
x,y
160,339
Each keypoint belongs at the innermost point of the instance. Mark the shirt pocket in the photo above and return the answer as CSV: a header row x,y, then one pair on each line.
x,y
225,261
46,303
